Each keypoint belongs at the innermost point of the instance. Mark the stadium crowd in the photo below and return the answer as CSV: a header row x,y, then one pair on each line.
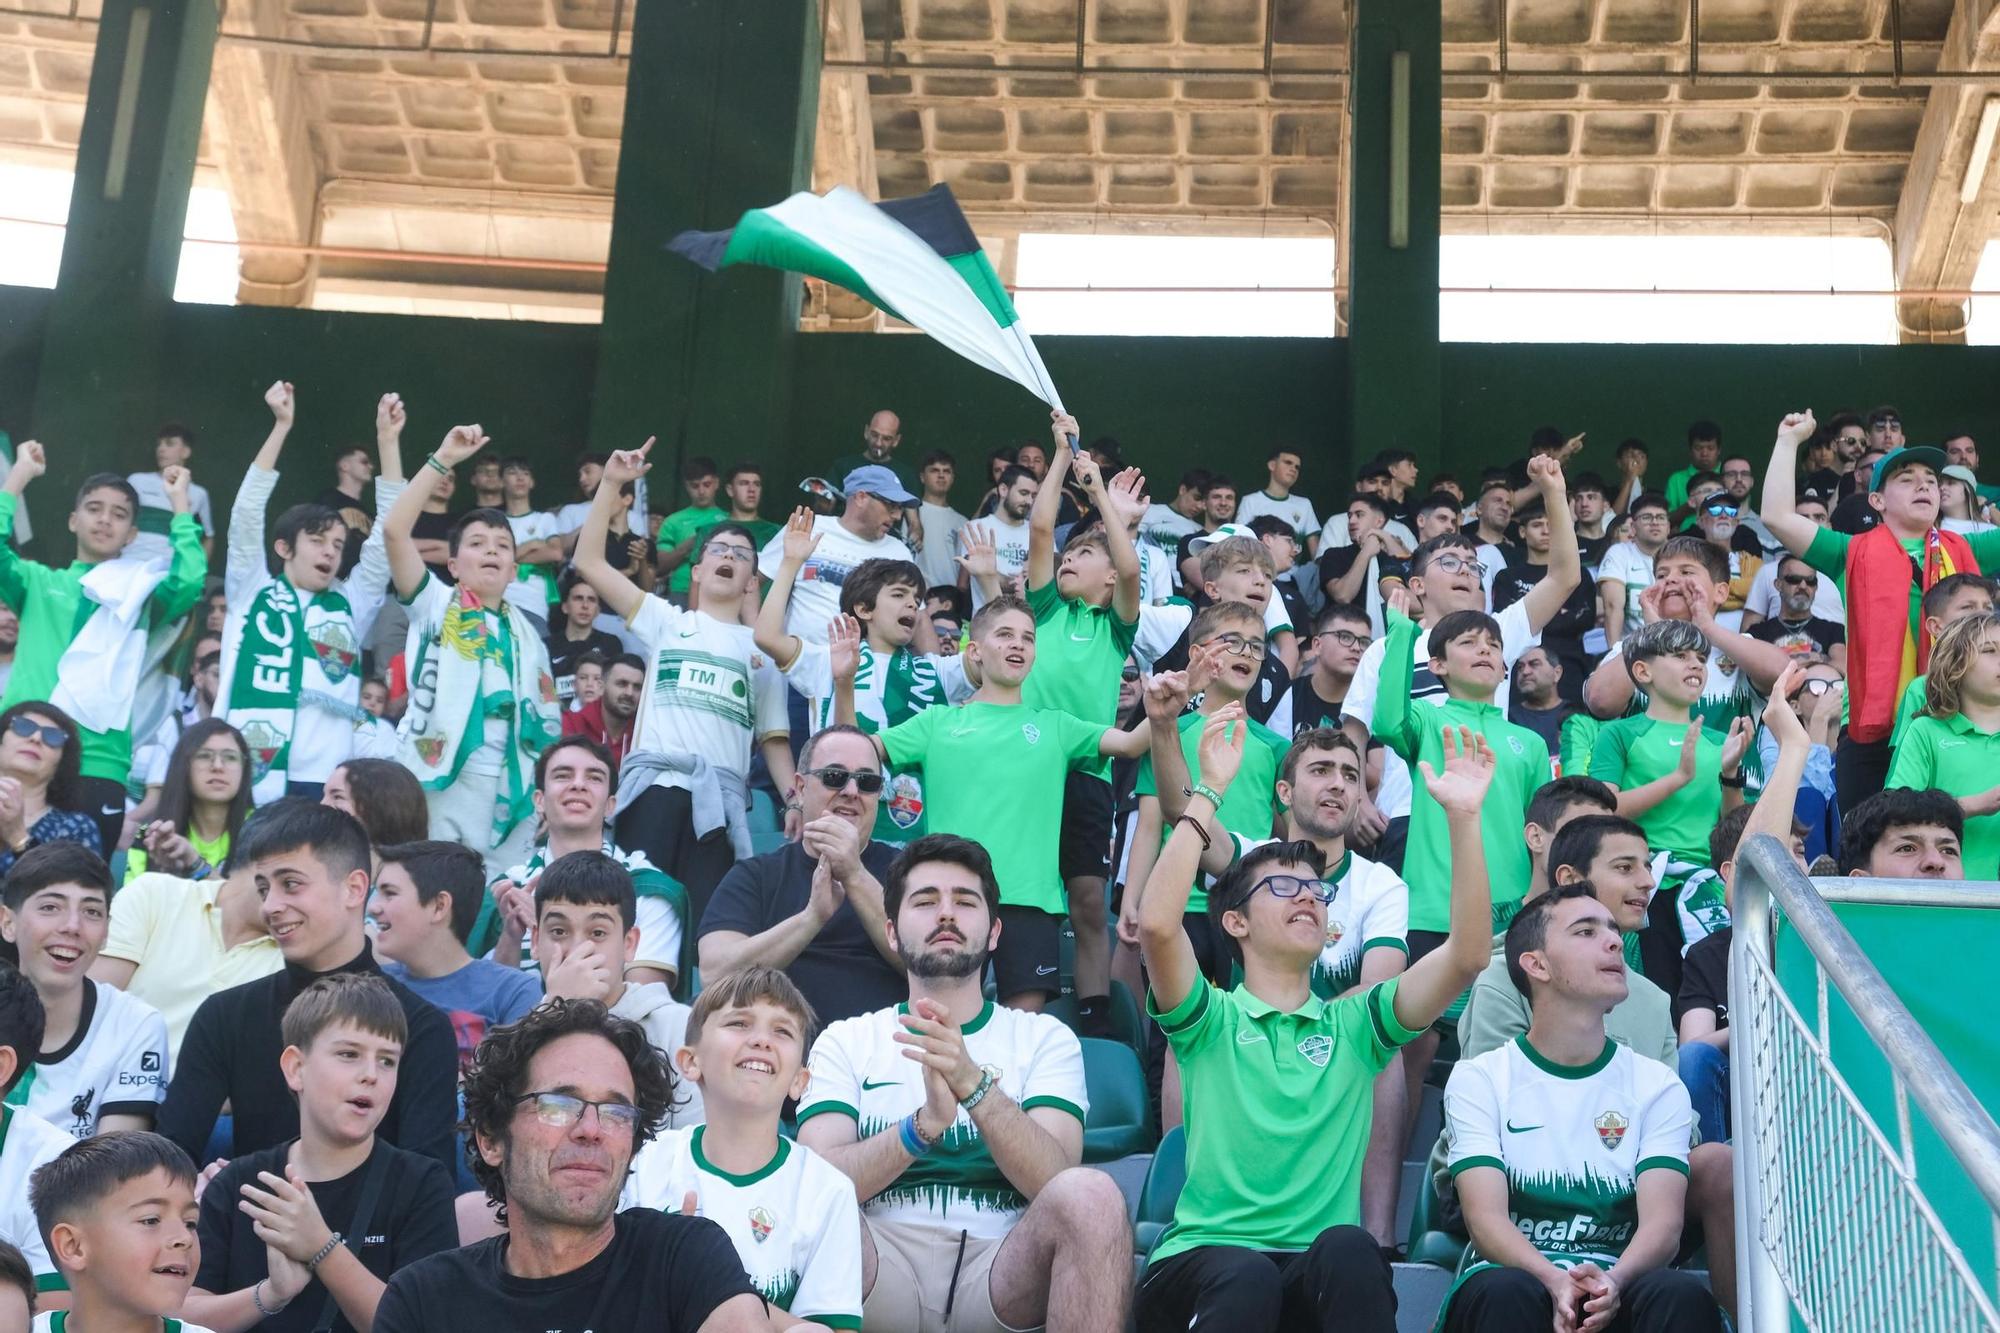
x,y
458,913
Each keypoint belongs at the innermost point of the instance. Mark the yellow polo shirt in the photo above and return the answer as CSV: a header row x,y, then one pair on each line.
x,y
172,928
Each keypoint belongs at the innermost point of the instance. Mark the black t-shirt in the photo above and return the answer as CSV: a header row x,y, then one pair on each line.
x,y
841,973
1335,561
1544,722
431,527
1812,636
335,498
1564,632
563,652
1308,709
412,1218
230,1054
661,1273
1705,978
1296,609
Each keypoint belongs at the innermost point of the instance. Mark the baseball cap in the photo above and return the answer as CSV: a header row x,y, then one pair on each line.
x,y
1960,472
881,483
1203,540
1823,486
1908,456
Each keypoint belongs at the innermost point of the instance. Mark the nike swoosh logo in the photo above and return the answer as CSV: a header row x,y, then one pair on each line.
x,y
868,1086
1045,971
111,811
1249,1037
1513,1128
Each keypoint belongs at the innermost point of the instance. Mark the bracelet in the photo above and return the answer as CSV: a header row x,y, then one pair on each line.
x,y
978,1095
913,1140
1203,789
332,1244
1200,829
257,1299
442,470
1739,781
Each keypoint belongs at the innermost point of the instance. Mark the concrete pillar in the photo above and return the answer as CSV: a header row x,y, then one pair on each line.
x,y
103,382
1393,378
720,107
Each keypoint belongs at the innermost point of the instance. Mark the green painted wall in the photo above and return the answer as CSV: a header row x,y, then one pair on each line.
x,y
1172,401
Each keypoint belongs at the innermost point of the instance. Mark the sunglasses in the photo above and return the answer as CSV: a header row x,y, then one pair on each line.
x,y
1129,675
1799,580
1717,508
27,729
835,778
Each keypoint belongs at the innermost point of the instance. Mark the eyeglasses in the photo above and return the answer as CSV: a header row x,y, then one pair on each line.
x,y
1450,564
731,551
835,778
220,758
27,729
1347,638
1816,686
1236,645
1799,580
559,1110
1736,472
1650,516
1288,887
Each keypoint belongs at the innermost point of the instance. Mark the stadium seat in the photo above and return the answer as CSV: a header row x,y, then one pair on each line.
x,y
1118,1124
764,840
764,815
1428,1245
1161,1191
1127,1024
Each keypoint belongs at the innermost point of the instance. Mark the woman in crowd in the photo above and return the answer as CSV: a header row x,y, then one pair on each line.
x,y
202,806
384,796
41,761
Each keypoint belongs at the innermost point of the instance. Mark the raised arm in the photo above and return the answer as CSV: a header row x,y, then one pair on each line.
x,y
1170,959
1762,662
1781,484
243,566
187,567
283,402
371,572
1433,981
1396,722
1121,502
1042,516
406,565
978,567
1166,695
1565,562
769,632
623,596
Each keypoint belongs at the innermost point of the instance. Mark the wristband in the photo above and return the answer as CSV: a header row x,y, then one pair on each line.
x,y
257,1299
913,1140
332,1244
432,462
1203,789
1739,781
988,1076
1200,829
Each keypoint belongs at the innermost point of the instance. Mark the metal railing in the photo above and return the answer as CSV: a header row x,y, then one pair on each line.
x,y
1831,1218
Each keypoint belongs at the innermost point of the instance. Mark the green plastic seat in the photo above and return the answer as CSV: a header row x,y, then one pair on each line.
x,y
1119,1123
1161,1190
1428,1244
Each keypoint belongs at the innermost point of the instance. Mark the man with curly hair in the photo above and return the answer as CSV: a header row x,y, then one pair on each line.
x,y
556,1105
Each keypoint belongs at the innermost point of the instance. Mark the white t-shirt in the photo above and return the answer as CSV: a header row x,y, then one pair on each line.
x,y
533,587
1492,560
1156,575
816,592
1392,798
1295,509
1161,528
1335,532
1010,550
116,1064
859,1070
570,517
708,689
1763,597
795,1223
1572,1143
26,1142
1632,567
153,495
938,555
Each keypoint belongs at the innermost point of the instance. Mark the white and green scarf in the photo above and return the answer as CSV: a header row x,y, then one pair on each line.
x,y
461,674
271,679
910,684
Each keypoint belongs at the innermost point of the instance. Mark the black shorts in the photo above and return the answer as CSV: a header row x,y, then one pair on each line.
x,y
1029,955
1086,828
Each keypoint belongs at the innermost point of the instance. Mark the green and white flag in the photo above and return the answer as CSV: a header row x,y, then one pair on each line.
x,y
916,258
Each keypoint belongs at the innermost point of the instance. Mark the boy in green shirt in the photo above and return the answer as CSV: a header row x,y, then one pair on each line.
x,y
1672,775
993,772
1225,645
1266,1236
1955,745
680,530
1087,612
77,652
1466,657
